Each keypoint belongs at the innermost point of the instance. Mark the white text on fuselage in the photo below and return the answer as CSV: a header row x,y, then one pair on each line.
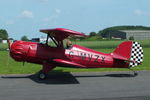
x,y
87,56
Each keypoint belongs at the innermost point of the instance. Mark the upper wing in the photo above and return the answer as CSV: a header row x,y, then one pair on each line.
x,y
61,33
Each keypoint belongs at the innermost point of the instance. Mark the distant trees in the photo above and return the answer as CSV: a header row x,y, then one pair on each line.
x,y
3,34
111,31
125,28
107,33
131,38
93,34
24,38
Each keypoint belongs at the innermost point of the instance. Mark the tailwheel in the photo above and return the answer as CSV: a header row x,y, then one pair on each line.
x,y
134,72
42,75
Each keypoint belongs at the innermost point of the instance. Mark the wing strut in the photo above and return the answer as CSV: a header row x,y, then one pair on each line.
x,y
53,40
58,43
47,39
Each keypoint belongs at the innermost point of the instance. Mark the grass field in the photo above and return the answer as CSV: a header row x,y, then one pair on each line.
x,y
95,44
3,47
9,66
107,44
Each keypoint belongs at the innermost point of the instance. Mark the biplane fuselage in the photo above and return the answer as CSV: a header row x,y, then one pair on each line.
x,y
76,56
124,56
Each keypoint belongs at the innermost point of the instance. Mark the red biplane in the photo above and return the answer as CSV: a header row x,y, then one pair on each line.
x,y
128,54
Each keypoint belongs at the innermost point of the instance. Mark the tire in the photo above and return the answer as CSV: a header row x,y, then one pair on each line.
x,y
42,75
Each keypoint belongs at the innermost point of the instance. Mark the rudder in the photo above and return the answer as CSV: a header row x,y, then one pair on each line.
x,y
129,51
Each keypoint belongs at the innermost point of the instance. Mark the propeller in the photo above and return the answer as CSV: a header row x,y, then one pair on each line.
x,y
8,52
27,55
9,44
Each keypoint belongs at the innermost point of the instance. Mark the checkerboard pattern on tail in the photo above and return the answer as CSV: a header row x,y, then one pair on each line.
x,y
136,54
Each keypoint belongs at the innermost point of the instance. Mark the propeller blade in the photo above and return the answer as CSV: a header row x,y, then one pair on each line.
x,y
9,44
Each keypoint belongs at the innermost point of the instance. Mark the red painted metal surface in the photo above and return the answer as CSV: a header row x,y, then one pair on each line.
x,y
76,56
61,33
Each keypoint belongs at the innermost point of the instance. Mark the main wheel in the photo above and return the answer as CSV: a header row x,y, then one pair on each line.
x,y
42,75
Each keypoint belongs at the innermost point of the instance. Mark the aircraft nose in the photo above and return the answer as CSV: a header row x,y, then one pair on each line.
x,y
17,51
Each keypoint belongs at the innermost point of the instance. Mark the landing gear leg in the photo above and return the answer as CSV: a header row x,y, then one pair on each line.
x,y
44,72
134,72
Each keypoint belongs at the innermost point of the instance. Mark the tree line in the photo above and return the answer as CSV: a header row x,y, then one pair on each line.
x,y
105,33
4,36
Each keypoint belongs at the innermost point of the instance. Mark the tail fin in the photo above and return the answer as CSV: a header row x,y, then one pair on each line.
x,y
129,51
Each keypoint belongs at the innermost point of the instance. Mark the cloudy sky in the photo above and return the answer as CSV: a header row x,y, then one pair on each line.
x,y
26,17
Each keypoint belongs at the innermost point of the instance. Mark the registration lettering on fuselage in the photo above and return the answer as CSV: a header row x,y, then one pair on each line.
x,y
88,56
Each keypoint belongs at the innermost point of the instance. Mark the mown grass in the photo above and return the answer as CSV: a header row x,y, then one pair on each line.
x,y
108,44
3,46
9,66
144,66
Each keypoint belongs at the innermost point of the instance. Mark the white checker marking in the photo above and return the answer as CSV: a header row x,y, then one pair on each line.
x,y
136,54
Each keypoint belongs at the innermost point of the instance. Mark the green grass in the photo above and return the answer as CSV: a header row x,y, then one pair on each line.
x,y
9,66
3,46
108,44
144,66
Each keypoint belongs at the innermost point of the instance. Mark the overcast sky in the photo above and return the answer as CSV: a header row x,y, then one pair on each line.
x,y
27,17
